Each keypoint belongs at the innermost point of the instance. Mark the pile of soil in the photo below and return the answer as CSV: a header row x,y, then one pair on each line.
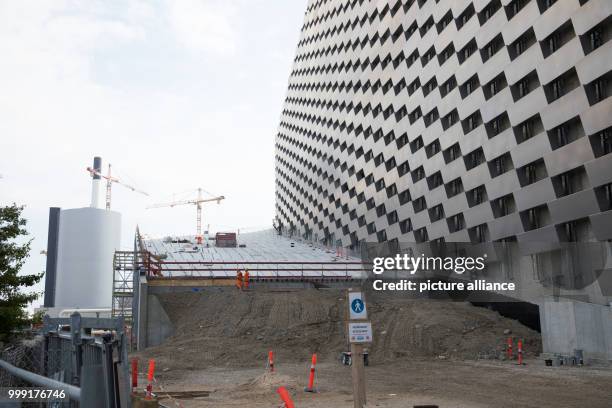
x,y
225,327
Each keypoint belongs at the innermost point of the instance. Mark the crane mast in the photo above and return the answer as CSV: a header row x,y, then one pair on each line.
x,y
110,179
198,201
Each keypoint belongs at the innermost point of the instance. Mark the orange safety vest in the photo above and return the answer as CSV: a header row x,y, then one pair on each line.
x,y
239,280
246,279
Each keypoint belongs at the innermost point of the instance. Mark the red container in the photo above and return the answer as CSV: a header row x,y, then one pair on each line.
x,y
226,239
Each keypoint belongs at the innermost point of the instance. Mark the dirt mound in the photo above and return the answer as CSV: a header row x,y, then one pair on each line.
x,y
224,327
269,381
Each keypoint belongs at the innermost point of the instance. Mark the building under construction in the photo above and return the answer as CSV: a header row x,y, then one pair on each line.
x,y
478,122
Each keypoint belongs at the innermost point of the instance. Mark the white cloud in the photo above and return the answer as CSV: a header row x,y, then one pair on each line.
x,y
110,78
206,25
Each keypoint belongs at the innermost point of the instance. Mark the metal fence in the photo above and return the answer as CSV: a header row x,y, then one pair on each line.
x,y
87,356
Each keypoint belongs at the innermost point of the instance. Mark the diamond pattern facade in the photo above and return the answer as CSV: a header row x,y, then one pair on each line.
x,y
457,121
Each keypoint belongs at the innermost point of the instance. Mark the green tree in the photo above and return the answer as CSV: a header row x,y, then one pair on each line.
x,y
13,299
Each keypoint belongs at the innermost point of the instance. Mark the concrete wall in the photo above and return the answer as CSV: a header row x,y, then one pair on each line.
x,y
569,325
159,326
154,325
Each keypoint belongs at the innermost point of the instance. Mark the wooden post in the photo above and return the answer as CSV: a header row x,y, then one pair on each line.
x,y
357,367
358,374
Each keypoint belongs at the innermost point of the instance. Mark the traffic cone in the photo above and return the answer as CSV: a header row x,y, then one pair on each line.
x,y
509,348
271,360
310,387
284,394
520,352
150,375
134,374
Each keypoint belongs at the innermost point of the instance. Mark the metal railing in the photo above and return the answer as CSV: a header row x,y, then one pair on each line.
x,y
258,270
86,357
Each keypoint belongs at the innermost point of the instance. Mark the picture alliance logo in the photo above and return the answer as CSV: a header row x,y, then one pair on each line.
x,y
405,262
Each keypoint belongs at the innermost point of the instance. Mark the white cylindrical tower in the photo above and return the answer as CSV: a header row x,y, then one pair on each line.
x,y
87,240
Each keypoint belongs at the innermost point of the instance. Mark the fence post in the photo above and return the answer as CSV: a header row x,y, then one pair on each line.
x,y
108,370
77,350
44,358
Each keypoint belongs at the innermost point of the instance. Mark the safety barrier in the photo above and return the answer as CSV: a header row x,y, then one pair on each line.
x,y
86,357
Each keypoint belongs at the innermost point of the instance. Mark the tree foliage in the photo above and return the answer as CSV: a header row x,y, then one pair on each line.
x,y
13,254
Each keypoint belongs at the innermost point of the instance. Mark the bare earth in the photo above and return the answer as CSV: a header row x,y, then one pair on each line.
x,y
473,384
445,353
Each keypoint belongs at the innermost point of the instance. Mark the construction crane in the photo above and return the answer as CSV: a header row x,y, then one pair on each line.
x,y
198,203
109,183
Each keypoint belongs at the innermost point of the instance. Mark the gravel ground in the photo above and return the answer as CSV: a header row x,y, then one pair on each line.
x,y
425,352
457,384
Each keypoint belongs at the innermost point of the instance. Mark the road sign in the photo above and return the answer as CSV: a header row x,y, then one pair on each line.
x,y
360,332
357,306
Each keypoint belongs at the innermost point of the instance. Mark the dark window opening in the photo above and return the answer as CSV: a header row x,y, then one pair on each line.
x,y
464,17
477,196
406,226
454,187
456,223
565,133
528,128
557,39
479,233
525,85
436,213
532,172
503,206
599,89
514,7
601,142
561,85
604,197
469,86
500,165
474,159
448,86
419,204
570,182
497,125
494,86
535,218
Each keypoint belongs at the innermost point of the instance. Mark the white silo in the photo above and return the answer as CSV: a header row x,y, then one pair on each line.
x,y
87,240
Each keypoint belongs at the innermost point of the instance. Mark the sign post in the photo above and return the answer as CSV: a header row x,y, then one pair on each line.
x,y
359,331
358,374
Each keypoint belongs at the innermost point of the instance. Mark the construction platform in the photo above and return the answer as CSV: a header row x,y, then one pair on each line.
x,y
265,254
174,264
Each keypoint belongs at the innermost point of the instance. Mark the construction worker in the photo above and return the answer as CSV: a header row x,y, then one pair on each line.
x,y
239,280
246,279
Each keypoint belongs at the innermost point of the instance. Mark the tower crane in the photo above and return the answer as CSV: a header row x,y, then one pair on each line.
x,y
197,202
110,179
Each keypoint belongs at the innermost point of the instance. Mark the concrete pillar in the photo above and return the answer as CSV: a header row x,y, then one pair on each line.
x,y
571,325
141,341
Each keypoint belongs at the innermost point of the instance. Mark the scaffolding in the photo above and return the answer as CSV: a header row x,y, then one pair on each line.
x,y
123,285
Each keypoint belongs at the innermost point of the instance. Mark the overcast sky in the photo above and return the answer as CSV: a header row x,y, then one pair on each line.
x,y
175,94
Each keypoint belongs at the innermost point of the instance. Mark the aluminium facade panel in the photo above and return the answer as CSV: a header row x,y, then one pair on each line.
x,y
420,120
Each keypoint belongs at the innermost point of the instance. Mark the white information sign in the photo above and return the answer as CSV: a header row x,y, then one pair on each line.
x,y
360,332
357,306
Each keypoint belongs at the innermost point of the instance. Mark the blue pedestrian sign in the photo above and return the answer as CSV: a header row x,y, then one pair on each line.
x,y
357,306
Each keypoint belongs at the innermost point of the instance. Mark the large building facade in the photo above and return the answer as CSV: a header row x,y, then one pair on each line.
x,y
457,121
